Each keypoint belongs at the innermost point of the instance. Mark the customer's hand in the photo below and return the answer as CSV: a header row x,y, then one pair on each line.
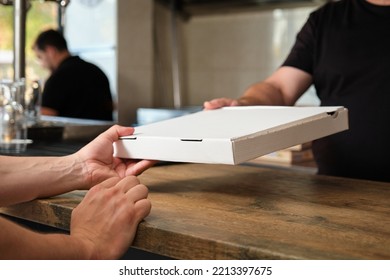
x,y
105,222
100,164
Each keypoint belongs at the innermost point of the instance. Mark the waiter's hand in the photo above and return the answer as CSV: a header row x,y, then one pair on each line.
x,y
219,103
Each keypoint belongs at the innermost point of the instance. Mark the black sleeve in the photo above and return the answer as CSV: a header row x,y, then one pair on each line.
x,y
303,51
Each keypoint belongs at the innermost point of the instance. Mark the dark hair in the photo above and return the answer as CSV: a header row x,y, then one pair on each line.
x,y
51,38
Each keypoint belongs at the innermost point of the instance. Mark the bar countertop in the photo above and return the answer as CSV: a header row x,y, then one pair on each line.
x,y
204,211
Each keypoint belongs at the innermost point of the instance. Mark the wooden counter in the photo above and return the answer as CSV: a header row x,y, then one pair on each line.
x,y
243,212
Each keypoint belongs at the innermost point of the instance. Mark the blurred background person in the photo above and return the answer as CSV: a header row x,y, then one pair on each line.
x,y
75,88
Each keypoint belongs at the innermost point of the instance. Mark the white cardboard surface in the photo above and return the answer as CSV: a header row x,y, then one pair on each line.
x,y
231,135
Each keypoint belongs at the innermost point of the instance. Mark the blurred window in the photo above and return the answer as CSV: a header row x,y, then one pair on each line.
x,y
40,15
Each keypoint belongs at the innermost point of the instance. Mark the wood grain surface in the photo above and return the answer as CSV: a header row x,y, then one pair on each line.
x,y
241,212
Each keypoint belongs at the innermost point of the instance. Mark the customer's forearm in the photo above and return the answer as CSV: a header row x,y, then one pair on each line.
x,y
17,242
25,178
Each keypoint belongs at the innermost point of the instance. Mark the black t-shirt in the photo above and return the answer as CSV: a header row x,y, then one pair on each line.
x,y
78,89
345,46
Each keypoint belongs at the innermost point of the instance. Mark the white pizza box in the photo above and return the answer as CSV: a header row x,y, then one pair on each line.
x,y
231,135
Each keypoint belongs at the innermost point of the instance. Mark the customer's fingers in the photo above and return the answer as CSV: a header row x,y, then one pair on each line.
x,y
127,183
137,167
137,193
106,184
142,208
116,131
